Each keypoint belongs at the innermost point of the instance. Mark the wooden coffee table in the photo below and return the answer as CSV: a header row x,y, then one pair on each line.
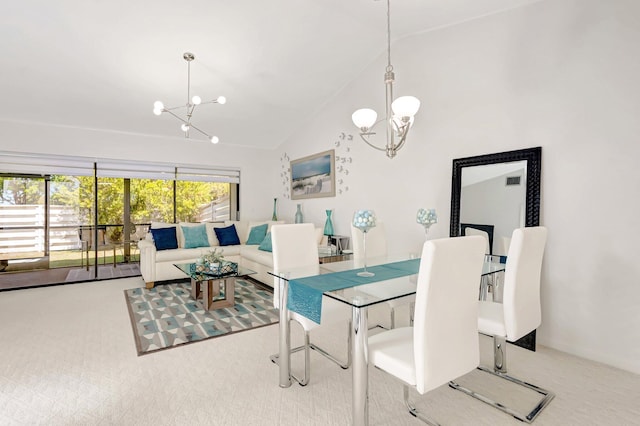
x,y
216,291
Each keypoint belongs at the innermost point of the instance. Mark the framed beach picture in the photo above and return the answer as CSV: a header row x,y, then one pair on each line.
x,y
314,176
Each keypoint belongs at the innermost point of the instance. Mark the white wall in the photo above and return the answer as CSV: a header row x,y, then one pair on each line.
x,y
257,183
558,74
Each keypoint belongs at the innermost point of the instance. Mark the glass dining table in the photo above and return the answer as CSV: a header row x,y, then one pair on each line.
x,y
360,295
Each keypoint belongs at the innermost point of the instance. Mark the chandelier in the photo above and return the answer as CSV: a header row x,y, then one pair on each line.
x,y
399,114
192,103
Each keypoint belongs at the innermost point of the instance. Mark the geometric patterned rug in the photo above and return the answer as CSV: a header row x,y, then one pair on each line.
x,y
166,316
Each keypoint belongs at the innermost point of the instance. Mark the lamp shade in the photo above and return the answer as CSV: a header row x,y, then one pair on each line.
x,y
405,106
364,118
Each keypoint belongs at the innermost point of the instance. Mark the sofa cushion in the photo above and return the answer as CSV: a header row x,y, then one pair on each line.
x,y
229,251
194,236
165,238
257,234
227,236
266,244
179,255
252,253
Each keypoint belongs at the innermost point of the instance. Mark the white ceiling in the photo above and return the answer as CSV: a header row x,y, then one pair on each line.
x,y
101,64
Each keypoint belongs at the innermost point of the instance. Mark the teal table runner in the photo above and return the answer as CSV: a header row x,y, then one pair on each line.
x,y
305,294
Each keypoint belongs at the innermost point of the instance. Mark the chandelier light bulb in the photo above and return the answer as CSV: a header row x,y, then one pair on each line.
x,y
405,106
158,105
157,111
185,127
221,100
214,140
196,100
364,118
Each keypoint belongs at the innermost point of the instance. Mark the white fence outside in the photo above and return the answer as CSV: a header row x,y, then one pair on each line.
x,y
29,238
216,211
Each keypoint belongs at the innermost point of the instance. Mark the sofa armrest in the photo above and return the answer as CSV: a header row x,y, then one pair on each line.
x,y
147,260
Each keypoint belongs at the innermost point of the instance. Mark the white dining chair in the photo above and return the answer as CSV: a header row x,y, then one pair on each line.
x,y
295,247
442,345
377,247
484,234
486,284
517,315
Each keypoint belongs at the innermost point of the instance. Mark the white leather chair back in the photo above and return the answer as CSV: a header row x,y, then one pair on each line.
x,y
521,297
294,246
376,241
445,332
473,231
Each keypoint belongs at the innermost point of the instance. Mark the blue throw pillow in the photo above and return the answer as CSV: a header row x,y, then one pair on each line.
x,y
165,238
227,236
266,245
195,236
257,234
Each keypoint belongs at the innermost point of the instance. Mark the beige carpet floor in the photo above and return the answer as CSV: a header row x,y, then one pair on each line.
x,y
67,357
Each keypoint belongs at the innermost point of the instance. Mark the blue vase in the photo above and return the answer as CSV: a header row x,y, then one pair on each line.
x,y
299,218
328,225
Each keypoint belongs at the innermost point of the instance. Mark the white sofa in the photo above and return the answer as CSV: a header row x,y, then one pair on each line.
x,y
158,265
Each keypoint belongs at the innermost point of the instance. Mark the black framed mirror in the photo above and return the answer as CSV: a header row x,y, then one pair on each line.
x,y
498,176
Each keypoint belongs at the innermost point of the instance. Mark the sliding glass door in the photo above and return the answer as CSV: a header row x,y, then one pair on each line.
x,y
23,223
66,219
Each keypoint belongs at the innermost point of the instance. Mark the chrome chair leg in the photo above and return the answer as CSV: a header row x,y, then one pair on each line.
x,y
500,370
392,322
344,366
275,358
412,308
307,356
412,408
499,355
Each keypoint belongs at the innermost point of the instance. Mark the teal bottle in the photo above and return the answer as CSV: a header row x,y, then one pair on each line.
x,y
299,218
328,225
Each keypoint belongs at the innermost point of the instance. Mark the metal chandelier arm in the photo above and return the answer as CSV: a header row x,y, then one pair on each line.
x,y
188,123
404,108
362,136
215,101
201,131
177,116
190,106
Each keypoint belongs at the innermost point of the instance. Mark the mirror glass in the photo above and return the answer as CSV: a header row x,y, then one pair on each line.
x,y
493,195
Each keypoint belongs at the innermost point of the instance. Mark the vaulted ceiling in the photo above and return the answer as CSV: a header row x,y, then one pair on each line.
x,y
101,64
